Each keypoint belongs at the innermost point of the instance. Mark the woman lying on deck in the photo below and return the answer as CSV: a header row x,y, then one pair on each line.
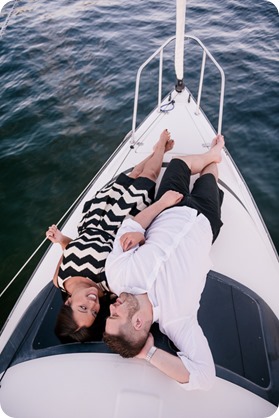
x,y
80,273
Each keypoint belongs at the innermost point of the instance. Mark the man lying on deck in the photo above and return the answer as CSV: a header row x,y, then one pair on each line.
x,y
80,273
158,267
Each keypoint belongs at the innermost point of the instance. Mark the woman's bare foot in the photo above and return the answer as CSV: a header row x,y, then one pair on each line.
x,y
164,141
169,145
150,167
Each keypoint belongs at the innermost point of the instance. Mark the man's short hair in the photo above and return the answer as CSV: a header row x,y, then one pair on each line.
x,y
128,342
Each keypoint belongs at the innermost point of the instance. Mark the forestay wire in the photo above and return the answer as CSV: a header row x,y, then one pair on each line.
x,y
5,24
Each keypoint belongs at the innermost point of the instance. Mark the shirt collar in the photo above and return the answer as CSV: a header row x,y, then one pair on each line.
x,y
156,313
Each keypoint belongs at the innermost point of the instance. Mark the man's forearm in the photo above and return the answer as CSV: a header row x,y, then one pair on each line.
x,y
168,199
171,365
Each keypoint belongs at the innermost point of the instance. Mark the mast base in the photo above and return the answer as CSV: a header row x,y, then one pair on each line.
x,y
179,87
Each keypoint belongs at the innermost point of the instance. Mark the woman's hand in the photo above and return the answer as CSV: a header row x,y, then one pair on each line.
x,y
131,239
56,236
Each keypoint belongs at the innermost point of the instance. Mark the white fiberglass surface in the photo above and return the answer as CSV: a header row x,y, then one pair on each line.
x,y
107,386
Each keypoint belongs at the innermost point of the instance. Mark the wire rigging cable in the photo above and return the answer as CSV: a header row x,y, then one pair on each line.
x,y
5,24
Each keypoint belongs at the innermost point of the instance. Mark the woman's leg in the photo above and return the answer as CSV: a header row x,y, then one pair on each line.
x,y
150,167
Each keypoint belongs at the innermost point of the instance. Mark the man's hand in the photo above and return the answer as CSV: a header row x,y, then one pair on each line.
x,y
171,198
131,239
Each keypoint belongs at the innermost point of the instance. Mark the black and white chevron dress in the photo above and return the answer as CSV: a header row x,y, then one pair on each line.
x,y
102,216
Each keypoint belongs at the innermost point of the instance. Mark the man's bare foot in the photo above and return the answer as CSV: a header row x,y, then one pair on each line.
x,y
216,147
164,141
218,139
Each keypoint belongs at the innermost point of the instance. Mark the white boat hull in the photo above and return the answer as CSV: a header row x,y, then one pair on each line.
x,y
107,386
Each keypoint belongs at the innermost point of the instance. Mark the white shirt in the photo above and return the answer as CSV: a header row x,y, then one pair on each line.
x,y
171,267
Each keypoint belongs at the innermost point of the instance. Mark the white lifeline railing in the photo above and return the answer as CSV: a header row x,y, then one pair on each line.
x,y
160,52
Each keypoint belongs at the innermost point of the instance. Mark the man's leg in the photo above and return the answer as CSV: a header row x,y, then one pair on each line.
x,y
197,162
150,167
177,175
207,198
211,169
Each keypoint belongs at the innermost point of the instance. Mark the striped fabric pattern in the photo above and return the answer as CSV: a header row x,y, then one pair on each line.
x,y
102,216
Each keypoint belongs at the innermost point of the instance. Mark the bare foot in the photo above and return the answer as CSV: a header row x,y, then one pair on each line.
x,y
169,145
164,141
216,147
219,139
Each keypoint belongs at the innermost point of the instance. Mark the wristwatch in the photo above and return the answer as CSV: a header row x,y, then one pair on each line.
x,y
150,353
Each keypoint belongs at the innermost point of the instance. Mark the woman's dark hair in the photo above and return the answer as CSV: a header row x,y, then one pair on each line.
x,y
67,330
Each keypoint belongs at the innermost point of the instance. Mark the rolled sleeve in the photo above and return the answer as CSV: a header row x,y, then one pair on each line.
x,y
202,374
129,225
119,263
195,355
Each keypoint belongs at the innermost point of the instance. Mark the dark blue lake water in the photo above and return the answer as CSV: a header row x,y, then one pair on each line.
x,y
67,77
